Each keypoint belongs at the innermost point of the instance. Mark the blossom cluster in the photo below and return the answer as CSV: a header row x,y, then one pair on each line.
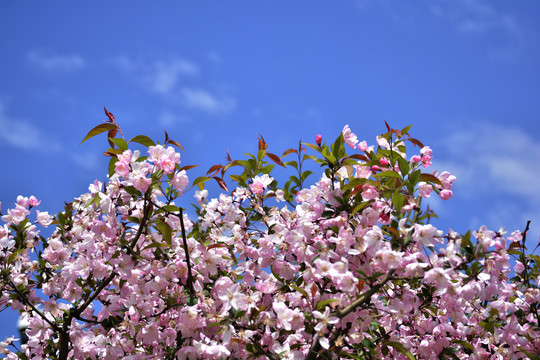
x,y
348,267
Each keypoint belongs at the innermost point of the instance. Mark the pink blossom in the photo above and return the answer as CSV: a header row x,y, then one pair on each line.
x,y
363,146
44,218
165,159
369,192
349,137
447,180
518,268
446,194
384,161
260,183
121,168
318,139
201,196
141,182
23,201
382,142
425,189
180,180
16,215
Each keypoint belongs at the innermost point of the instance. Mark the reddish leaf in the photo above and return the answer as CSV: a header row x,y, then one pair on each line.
x,y
221,183
228,157
430,178
187,167
416,142
262,143
112,135
515,245
175,143
109,115
360,285
289,151
275,159
215,246
387,126
214,169
359,157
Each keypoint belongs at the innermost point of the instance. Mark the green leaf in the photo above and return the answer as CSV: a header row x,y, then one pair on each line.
x,y
338,148
413,178
101,128
112,165
165,230
400,348
305,174
200,181
405,130
171,208
121,143
388,173
61,219
313,146
132,191
430,178
157,245
143,140
322,304
403,165
463,343
398,200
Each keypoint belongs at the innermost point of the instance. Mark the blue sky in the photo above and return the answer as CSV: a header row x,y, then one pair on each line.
x,y
216,74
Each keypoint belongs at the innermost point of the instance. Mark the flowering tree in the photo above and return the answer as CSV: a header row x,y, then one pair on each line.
x,y
347,268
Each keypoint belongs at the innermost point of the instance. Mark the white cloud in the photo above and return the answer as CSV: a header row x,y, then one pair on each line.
x,y
53,62
163,76
201,99
498,176
23,135
476,17
491,157
173,79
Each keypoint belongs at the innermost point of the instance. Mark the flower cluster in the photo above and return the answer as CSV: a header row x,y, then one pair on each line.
x,y
347,267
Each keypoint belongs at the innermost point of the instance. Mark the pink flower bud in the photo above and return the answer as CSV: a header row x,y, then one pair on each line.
x,y
384,162
446,194
416,159
318,139
375,168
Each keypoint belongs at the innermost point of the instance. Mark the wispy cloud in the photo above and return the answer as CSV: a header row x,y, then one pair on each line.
x,y
177,81
488,157
206,101
497,173
24,135
162,76
56,62
165,76
476,17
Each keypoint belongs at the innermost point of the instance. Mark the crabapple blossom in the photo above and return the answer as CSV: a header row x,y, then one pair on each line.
x,y
344,265
349,137
446,194
260,183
